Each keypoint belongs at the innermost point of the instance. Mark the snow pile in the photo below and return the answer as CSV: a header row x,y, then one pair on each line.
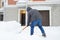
x,y
10,26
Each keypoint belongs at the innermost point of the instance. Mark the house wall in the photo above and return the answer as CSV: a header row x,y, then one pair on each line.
x,y
11,14
52,0
1,12
55,15
37,0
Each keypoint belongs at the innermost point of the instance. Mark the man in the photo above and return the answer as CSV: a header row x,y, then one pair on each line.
x,y
35,18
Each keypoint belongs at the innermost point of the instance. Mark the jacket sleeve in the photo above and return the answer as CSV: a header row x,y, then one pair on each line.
x,y
28,20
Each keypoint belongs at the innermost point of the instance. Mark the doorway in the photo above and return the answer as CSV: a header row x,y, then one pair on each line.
x,y
22,17
1,17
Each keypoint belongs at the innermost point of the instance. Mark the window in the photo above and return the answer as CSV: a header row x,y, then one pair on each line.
x,y
1,17
1,3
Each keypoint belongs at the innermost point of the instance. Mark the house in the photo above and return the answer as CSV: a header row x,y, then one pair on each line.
x,y
16,10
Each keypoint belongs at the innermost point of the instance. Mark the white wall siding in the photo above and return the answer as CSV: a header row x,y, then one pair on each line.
x,y
11,14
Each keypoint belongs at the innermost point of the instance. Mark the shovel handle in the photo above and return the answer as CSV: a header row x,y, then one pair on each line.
x,y
24,28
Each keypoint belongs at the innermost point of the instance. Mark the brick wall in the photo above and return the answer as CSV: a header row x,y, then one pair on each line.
x,y
11,2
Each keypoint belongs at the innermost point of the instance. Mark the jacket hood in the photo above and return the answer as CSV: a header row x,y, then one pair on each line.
x,y
28,9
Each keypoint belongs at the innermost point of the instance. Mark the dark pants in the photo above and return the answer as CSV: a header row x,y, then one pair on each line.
x,y
39,23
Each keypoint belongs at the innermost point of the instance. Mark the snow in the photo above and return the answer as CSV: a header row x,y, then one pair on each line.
x,y
53,33
9,26
10,31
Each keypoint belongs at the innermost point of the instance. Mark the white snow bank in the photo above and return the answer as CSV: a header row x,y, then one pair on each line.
x,y
10,26
9,30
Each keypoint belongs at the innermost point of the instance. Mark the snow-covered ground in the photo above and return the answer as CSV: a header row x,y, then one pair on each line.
x,y
53,33
10,31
